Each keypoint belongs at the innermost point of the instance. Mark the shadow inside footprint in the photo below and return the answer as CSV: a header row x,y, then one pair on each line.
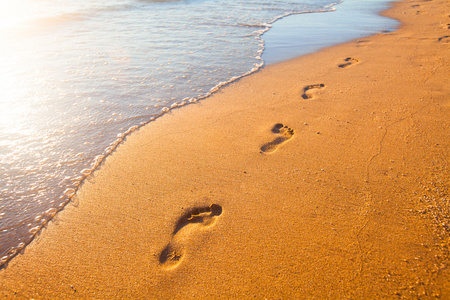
x,y
172,255
306,91
277,128
348,62
444,39
202,215
286,134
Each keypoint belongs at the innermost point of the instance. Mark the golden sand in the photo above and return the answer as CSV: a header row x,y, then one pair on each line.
x,y
324,177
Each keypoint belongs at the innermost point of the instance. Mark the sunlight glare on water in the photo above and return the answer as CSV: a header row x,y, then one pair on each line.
x,y
13,12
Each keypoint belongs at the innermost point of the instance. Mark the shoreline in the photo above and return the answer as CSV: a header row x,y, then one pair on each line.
x,y
344,10
341,203
301,34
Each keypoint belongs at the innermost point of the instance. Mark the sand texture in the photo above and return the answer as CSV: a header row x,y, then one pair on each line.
x,y
323,177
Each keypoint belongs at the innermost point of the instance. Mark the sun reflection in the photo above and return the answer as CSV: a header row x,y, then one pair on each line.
x,y
14,63
15,12
14,107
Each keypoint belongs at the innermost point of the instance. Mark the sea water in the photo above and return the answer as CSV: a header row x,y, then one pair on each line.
x,y
77,76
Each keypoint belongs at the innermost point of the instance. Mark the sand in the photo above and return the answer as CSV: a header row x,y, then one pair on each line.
x,y
323,177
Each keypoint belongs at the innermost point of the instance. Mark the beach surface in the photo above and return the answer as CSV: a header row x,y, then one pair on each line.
x,y
323,177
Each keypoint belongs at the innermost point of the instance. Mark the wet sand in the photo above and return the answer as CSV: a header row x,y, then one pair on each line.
x,y
323,177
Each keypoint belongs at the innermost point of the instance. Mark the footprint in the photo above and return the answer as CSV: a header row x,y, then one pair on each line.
x,y
363,43
172,255
348,62
306,91
201,215
285,134
444,39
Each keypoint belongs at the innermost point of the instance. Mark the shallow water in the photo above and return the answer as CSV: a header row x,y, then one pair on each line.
x,y
302,34
77,76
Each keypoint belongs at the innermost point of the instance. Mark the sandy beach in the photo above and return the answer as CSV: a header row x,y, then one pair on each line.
x,y
322,177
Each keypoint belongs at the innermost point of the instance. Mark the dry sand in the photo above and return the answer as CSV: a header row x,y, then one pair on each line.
x,y
324,177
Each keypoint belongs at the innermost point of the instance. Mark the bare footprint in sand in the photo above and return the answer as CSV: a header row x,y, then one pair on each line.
x,y
172,255
444,39
348,62
363,43
308,90
285,134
